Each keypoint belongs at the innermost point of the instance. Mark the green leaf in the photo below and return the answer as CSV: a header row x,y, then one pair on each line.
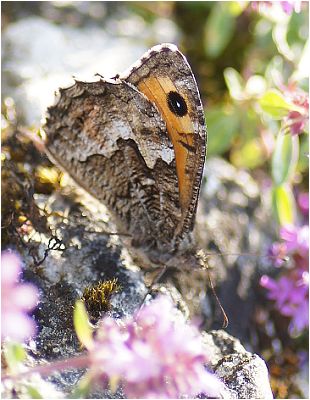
x,y
273,103
303,160
219,29
222,125
235,83
283,203
82,389
82,326
236,7
250,155
15,354
285,158
33,392
249,123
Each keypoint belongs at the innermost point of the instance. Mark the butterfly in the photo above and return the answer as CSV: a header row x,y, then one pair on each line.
x,y
137,143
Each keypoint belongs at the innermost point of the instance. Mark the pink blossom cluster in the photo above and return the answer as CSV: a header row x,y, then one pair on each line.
x,y
296,121
291,291
295,244
152,356
303,203
17,299
291,295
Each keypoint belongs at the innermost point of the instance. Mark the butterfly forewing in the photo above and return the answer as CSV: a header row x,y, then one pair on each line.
x,y
177,98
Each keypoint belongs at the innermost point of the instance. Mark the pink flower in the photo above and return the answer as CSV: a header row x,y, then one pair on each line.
x,y
278,253
16,300
296,244
296,239
290,294
153,355
297,120
287,6
303,202
260,5
290,291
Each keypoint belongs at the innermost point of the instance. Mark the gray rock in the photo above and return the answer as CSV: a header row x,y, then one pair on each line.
x,y
34,65
91,255
234,225
244,374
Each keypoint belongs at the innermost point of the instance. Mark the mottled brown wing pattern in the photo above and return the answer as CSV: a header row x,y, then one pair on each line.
x,y
186,125
123,144
102,133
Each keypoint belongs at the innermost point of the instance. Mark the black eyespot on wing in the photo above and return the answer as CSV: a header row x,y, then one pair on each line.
x,y
177,104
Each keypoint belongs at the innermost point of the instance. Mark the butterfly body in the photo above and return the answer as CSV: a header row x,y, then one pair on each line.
x,y
137,144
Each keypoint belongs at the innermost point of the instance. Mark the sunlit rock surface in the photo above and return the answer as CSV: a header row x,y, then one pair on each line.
x,y
35,65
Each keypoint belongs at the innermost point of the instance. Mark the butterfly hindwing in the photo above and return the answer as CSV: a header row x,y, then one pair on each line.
x,y
114,144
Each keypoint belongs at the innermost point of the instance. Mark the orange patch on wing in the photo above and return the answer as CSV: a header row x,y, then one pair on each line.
x,y
180,130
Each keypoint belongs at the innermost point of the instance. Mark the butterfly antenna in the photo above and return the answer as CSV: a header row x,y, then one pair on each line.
x,y
225,318
271,257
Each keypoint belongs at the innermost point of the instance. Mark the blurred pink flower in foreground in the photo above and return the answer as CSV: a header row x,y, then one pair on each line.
x,y
290,293
16,300
152,355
